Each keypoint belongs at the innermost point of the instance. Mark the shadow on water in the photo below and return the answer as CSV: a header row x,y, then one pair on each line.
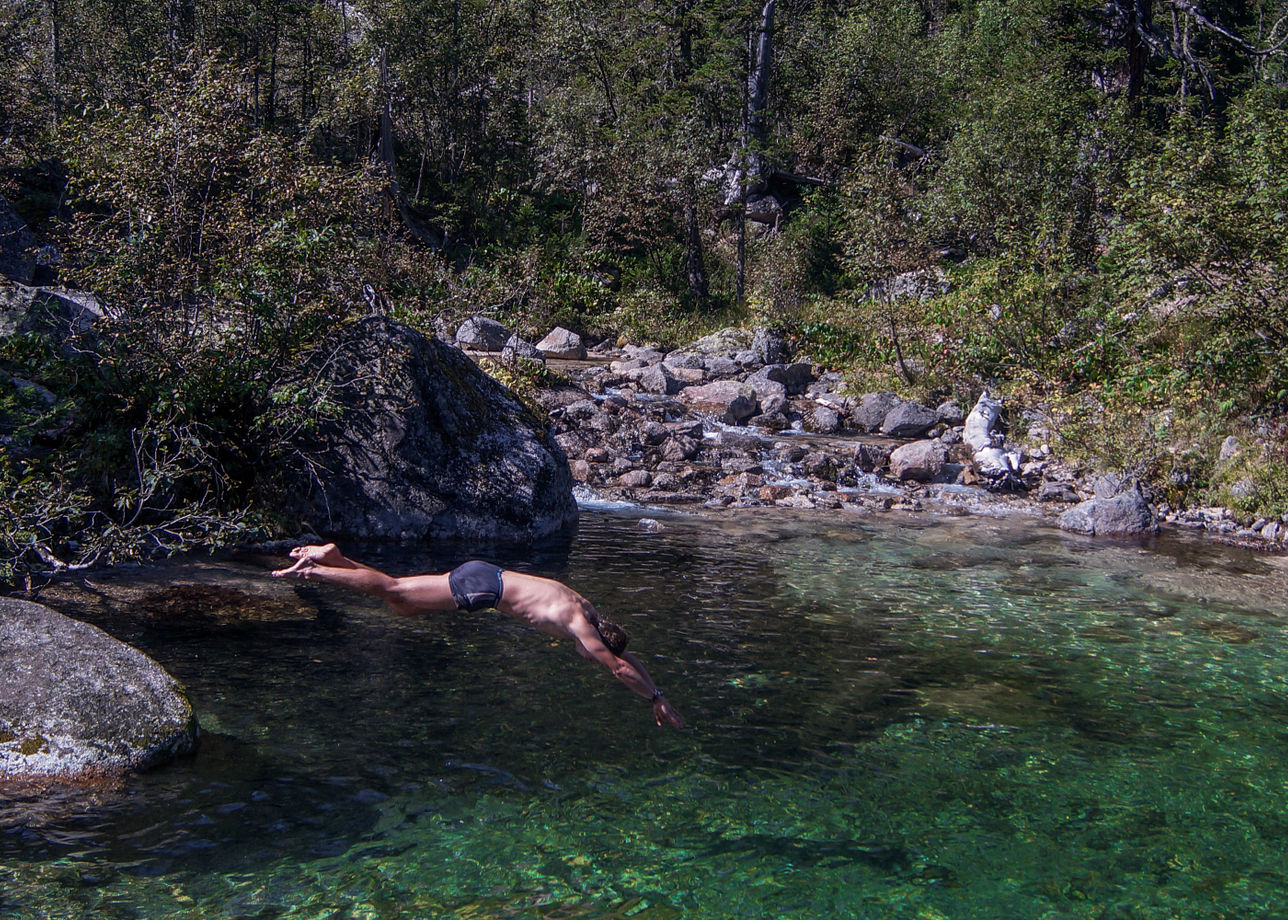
x,y
227,809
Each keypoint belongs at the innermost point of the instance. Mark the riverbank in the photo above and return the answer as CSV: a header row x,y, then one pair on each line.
x,y
732,421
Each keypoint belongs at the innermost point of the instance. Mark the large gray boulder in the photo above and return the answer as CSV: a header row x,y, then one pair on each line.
x,y
771,394
769,346
729,341
1125,514
478,333
795,377
728,400
518,348
658,378
562,344
427,445
922,284
65,316
872,410
77,704
686,359
16,241
909,420
920,461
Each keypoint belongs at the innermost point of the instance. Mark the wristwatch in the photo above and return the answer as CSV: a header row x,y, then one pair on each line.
x,y
657,693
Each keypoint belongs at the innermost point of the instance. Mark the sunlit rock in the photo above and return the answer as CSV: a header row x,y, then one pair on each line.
x,y
1125,514
909,420
76,704
482,334
872,410
562,344
921,461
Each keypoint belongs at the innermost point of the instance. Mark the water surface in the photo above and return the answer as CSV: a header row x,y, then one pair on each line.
x,y
888,717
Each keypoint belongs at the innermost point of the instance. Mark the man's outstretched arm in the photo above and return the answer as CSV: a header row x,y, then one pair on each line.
x,y
327,564
629,671
662,709
405,596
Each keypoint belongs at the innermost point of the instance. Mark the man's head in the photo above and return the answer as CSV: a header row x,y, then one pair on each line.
x,y
612,635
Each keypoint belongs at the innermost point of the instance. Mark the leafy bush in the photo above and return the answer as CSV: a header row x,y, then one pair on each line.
x,y
1201,249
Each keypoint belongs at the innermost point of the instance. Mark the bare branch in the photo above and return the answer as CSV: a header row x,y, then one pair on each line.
x,y
1191,8
911,148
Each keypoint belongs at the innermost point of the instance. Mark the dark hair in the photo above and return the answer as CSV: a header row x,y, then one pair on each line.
x,y
612,635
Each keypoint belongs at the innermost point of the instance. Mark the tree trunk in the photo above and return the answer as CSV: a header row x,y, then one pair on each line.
x,y
386,118
1139,20
388,159
694,262
762,64
55,51
270,108
741,288
180,19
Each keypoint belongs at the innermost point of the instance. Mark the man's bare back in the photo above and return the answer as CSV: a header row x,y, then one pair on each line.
x,y
543,603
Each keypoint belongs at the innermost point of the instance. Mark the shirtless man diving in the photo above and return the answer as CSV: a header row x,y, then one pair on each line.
x,y
542,603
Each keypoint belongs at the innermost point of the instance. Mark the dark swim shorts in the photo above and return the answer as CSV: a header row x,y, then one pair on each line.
x,y
475,585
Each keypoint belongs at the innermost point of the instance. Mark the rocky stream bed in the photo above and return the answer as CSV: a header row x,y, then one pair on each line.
x,y
736,420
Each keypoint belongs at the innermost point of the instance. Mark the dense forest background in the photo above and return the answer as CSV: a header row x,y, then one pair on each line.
x,y
1094,193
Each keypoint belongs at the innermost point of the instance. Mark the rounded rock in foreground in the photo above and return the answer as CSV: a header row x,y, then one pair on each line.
x,y
76,704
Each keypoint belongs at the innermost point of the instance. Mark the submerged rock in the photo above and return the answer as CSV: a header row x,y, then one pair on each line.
x,y
427,445
77,704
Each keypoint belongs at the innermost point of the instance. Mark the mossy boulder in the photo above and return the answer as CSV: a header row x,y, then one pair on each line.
x,y
76,704
426,445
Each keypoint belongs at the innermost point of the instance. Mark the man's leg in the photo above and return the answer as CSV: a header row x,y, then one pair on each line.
x,y
420,594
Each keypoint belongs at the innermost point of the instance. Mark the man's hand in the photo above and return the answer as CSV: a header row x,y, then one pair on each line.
x,y
664,711
308,558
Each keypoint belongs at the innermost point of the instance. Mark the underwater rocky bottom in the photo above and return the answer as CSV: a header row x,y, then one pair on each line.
x,y
888,717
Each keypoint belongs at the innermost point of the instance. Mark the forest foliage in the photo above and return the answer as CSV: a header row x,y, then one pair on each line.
x,y
1101,184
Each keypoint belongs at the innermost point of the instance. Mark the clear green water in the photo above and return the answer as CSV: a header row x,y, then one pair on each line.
x,y
937,718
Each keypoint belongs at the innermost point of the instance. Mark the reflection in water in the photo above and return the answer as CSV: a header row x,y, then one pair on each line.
x,y
895,718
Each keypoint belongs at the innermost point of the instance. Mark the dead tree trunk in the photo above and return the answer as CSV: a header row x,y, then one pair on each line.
x,y
762,64
388,158
694,262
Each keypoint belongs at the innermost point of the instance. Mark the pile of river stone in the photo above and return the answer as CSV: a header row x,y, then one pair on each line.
x,y
735,419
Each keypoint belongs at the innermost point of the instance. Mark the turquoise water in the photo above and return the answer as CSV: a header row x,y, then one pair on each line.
x,y
894,718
